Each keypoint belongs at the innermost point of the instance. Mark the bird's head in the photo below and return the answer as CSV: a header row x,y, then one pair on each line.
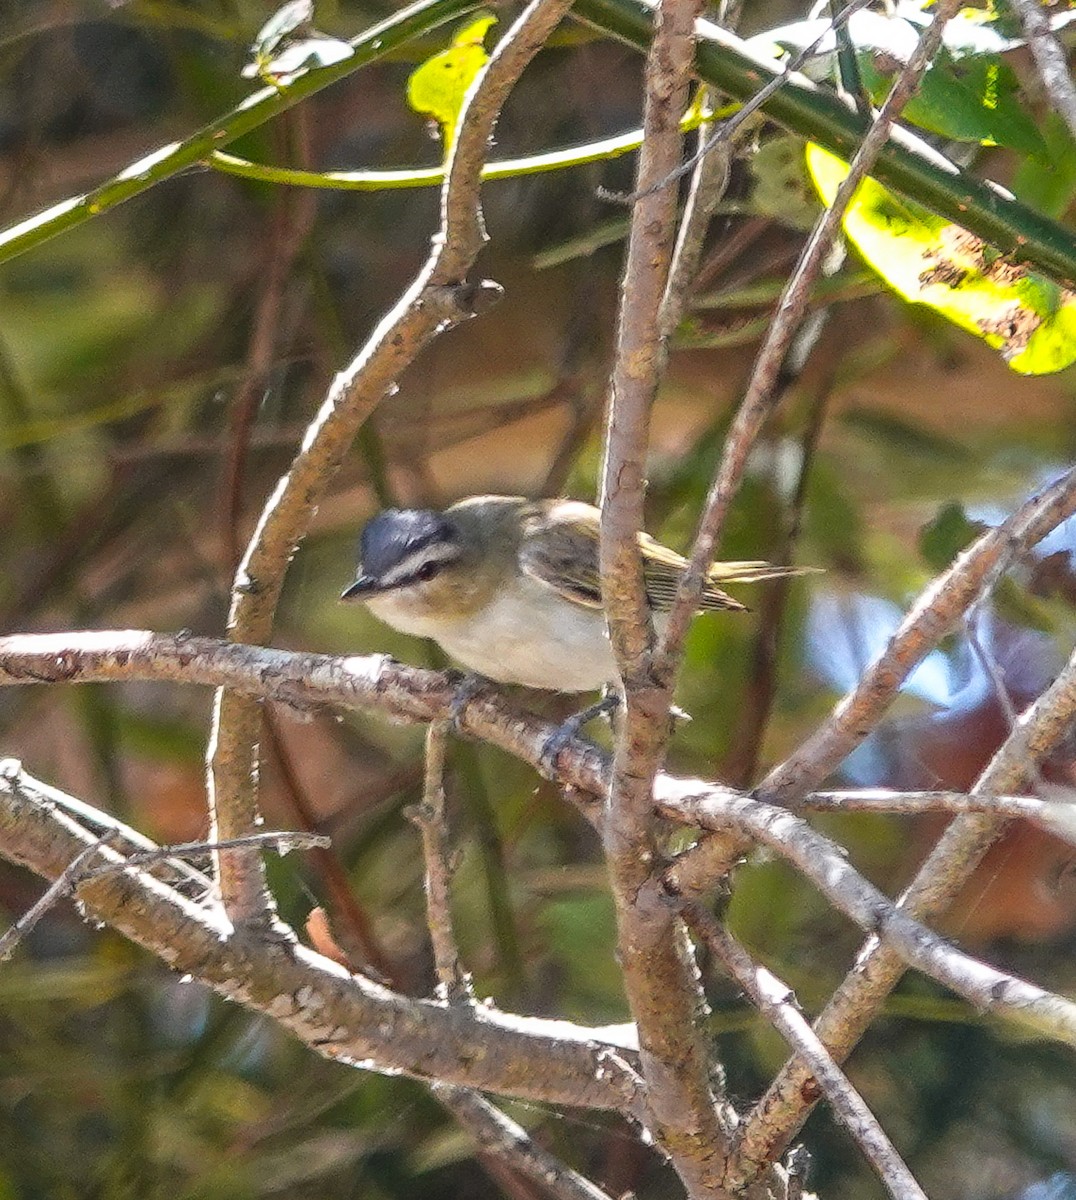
x,y
432,563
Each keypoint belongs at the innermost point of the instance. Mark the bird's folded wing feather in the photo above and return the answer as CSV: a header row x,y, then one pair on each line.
x,y
563,554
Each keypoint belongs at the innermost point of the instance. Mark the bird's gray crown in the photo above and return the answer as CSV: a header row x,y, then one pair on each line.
x,y
400,545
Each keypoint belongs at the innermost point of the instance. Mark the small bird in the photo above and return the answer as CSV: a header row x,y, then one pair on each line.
x,y
510,587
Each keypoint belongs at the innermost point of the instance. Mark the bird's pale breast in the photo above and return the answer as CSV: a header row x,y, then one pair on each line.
x,y
527,634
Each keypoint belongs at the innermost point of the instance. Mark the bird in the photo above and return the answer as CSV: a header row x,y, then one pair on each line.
x,y
510,587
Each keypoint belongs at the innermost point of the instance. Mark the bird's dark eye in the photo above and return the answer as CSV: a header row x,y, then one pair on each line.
x,y
426,571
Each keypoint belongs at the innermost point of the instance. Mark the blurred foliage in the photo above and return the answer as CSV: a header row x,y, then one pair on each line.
x,y
139,411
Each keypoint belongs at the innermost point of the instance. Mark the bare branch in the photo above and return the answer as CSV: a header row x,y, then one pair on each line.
x,y
777,1002
791,308
415,695
421,695
438,297
640,350
1050,58
491,1128
429,816
903,938
341,1016
1055,816
782,1110
660,979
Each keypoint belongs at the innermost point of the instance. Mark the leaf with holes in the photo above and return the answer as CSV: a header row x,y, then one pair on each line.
x,y
928,260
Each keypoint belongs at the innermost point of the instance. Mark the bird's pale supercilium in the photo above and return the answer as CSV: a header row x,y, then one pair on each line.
x,y
509,587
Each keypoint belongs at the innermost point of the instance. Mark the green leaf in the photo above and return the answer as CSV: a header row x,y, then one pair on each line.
x,y
927,260
1048,182
781,188
942,539
973,99
436,88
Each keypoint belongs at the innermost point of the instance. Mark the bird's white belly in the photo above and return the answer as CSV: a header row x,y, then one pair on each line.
x,y
533,637
527,635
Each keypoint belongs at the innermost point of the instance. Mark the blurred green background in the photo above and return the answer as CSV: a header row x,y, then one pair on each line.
x,y
157,368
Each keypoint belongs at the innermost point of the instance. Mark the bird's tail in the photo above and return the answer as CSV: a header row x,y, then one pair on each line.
x,y
754,572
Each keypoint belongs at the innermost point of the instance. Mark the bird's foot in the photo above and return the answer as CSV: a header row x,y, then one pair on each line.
x,y
466,690
569,729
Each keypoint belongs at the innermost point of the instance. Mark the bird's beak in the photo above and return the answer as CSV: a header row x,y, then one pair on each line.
x,y
360,588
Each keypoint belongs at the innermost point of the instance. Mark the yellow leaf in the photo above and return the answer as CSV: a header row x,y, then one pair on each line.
x,y
436,88
929,260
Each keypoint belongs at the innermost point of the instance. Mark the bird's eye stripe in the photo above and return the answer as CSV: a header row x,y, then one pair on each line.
x,y
409,567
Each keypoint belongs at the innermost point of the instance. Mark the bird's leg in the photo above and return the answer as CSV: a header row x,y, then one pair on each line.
x,y
568,729
469,685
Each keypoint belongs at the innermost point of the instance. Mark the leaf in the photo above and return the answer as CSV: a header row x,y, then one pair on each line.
x,y
867,30
942,539
281,25
927,260
991,30
287,42
968,93
1048,182
781,188
974,99
436,88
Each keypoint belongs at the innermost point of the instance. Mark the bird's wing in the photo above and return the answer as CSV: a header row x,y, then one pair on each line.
x,y
560,548
562,552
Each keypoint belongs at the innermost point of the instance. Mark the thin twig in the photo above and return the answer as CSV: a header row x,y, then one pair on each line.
x,y
510,1142
81,868
437,298
501,1137
1057,817
283,841
745,745
429,816
62,886
708,184
290,223
777,1002
352,924
756,405
1050,58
